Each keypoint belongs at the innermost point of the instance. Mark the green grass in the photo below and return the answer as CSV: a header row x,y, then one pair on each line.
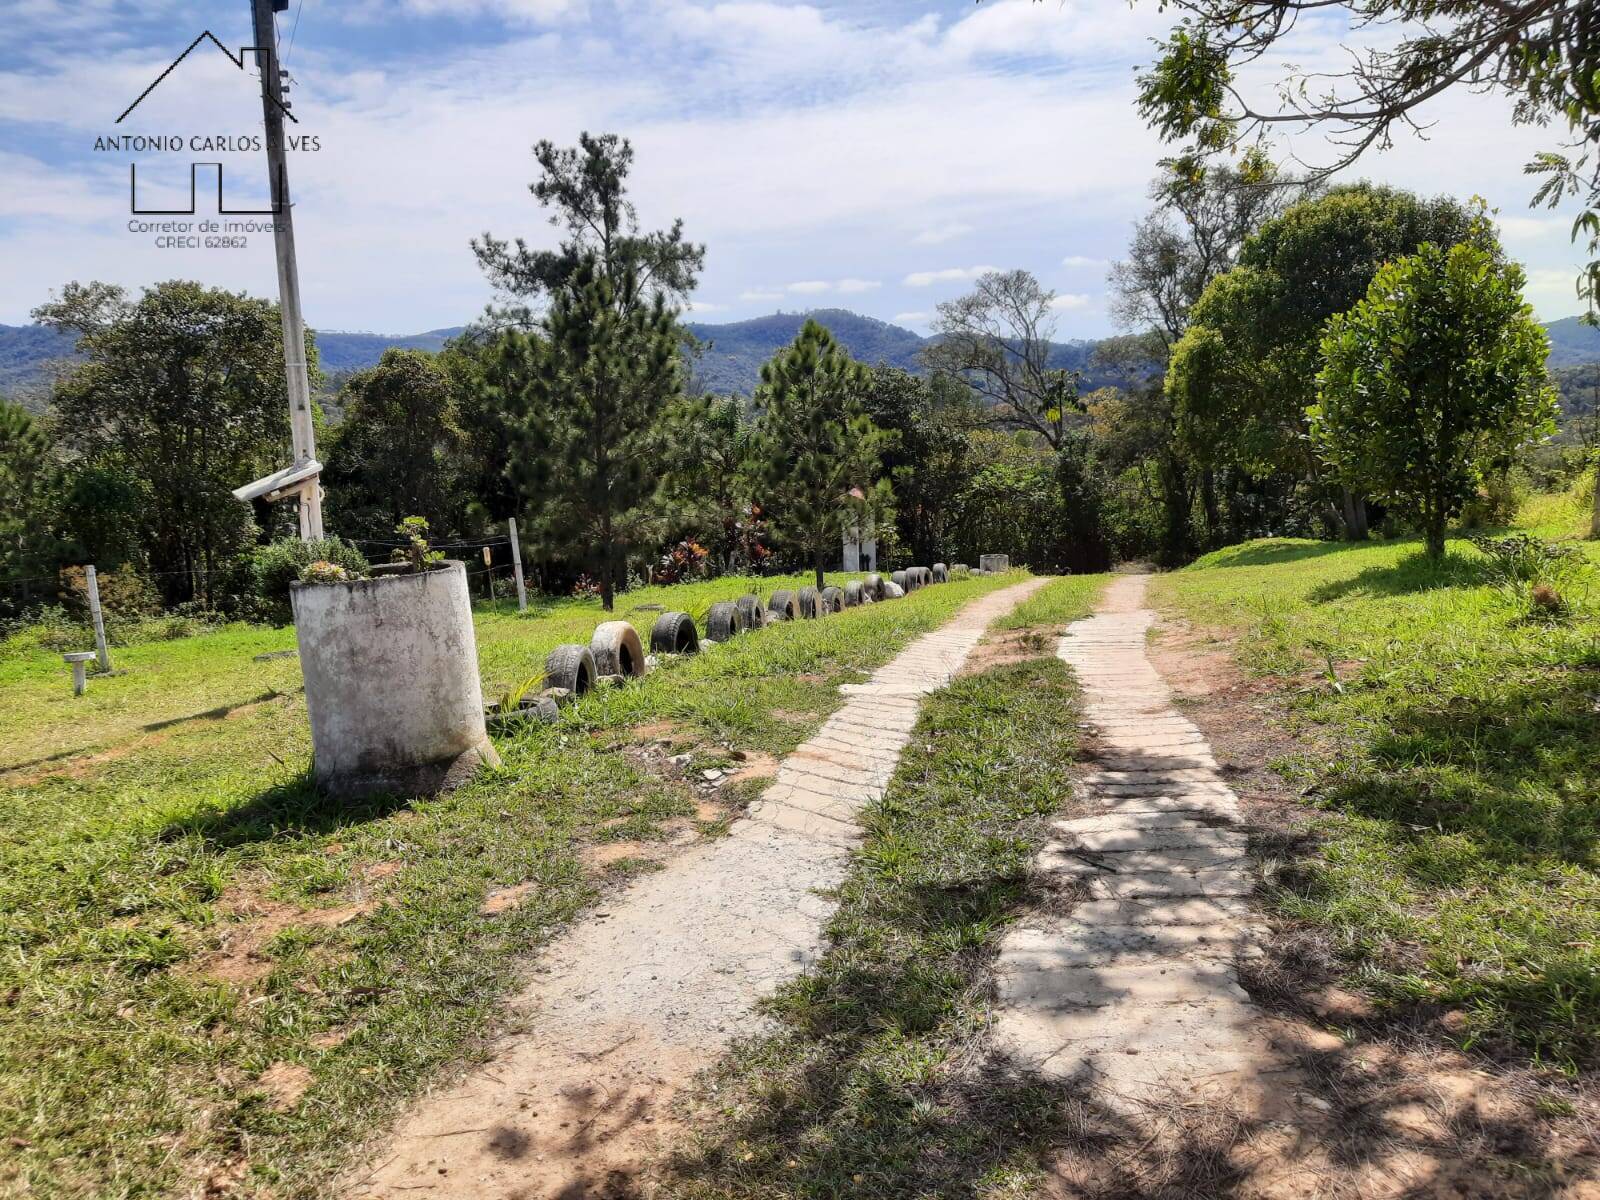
x,y
870,1086
1056,605
128,1068
1460,786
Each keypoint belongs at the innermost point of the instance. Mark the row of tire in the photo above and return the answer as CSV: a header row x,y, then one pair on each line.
x,y
616,654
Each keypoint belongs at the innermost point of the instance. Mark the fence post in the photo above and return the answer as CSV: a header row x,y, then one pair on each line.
x,y
516,566
103,654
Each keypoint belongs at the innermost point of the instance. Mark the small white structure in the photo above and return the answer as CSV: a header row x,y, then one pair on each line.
x,y
990,563
79,662
861,549
391,673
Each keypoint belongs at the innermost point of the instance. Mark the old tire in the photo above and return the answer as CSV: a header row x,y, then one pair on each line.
x,y
617,650
570,667
872,585
674,633
854,594
750,608
724,621
786,604
832,599
893,591
941,573
898,578
810,603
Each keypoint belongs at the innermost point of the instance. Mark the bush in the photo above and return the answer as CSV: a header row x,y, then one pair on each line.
x,y
1540,576
1499,499
276,566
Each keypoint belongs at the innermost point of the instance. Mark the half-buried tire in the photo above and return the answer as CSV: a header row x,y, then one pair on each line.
x,y
786,604
617,650
674,633
832,599
810,603
750,609
854,594
901,580
724,621
941,573
570,666
872,586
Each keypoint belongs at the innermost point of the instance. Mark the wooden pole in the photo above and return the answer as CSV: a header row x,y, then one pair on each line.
x,y
296,372
516,566
103,654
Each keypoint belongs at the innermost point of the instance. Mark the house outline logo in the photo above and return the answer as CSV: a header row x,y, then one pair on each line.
x,y
237,60
269,62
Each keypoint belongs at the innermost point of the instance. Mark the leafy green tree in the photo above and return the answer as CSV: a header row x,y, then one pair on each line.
x,y
1433,379
1402,54
820,454
585,189
182,394
586,403
927,457
1244,373
400,450
711,478
30,540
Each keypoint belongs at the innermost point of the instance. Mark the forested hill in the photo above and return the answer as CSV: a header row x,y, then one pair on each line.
x,y
729,360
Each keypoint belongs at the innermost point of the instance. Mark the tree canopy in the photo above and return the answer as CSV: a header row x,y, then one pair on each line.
x,y
1434,377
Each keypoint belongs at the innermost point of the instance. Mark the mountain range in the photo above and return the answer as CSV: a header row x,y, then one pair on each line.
x,y
729,357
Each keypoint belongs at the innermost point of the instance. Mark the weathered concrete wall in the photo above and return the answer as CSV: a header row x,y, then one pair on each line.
x,y
391,671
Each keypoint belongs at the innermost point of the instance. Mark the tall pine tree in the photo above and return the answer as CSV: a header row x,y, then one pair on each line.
x,y
585,402
818,450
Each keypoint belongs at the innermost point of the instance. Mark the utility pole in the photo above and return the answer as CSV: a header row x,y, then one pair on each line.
x,y
309,491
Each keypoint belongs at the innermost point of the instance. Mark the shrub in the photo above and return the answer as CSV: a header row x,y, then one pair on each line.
x,y
276,566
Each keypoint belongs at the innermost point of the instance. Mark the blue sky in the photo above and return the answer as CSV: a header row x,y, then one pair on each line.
x,y
874,155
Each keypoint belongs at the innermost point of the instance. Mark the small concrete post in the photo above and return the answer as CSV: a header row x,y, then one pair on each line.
x,y
516,566
79,662
103,654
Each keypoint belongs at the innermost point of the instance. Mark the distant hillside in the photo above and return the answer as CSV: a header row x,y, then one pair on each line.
x,y
1572,343
730,360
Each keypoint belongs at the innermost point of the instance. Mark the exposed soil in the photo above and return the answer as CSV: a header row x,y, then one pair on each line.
x,y
285,1083
1002,649
241,958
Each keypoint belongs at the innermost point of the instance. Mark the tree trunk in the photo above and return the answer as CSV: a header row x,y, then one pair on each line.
x,y
820,559
1434,526
1594,523
608,567
1354,515
1208,501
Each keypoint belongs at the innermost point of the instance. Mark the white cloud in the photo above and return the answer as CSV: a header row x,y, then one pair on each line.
x,y
939,234
697,307
810,287
1070,302
912,318
947,275
1076,262
761,296
851,287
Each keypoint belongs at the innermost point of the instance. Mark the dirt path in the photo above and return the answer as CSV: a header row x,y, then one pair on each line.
x,y
628,1005
1134,990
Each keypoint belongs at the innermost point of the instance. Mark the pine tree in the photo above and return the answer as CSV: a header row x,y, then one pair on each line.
x,y
585,400
818,450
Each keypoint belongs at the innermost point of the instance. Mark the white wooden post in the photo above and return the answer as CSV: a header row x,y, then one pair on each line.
x,y
516,566
103,654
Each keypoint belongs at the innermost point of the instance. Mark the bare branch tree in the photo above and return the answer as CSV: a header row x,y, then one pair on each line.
x,y
998,340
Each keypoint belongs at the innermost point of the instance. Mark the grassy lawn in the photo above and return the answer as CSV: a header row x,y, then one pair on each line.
x,y
1459,796
869,1086
210,975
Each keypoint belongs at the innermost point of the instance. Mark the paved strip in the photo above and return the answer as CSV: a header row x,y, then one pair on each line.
x,y
630,1003
1135,988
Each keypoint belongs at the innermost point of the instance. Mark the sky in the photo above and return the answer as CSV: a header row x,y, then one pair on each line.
x,y
875,155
